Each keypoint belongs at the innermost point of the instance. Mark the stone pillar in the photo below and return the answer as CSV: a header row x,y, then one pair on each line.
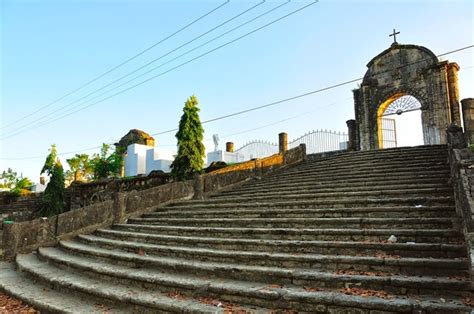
x,y
229,147
282,142
468,119
198,187
455,137
351,131
453,91
120,207
10,241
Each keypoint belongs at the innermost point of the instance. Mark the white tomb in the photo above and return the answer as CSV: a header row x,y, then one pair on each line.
x,y
142,159
224,156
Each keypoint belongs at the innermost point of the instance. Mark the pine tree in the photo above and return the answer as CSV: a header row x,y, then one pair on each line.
x,y
53,197
190,158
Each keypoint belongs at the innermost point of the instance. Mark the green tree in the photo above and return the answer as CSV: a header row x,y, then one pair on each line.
x,y
190,158
18,185
50,161
106,164
8,179
53,196
81,168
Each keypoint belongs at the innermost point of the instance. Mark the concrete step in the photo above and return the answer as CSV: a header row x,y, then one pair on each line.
x,y
376,159
159,255
328,176
392,212
257,184
312,168
309,194
47,300
141,300
404,235
434,250
311,202
360,160
286,296
313,188
342,177
238,291
390,152
367,223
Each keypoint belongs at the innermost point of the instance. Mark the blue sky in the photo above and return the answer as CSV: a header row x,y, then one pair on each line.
x,y
49,48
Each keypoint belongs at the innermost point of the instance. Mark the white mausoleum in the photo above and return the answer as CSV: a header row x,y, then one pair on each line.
x,y
142,159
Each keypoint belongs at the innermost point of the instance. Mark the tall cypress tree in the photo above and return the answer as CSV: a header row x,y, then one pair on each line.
x,y
52,202
53,197
190,158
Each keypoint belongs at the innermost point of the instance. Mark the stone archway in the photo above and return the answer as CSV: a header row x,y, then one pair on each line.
x,y
407,70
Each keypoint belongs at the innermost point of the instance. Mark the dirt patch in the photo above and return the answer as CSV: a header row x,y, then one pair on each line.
x,y
12,305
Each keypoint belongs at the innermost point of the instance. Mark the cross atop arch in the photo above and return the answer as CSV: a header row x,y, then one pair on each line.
x,y
394,34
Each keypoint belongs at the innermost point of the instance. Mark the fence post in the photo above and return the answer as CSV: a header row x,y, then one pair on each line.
x,y
351,134
229,147
282,142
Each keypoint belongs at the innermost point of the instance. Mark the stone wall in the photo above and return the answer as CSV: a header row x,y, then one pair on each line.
x,y
19,208
462,177
84,194
462,173
23,237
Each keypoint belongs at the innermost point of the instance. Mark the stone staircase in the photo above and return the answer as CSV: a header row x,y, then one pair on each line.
x,y
311,238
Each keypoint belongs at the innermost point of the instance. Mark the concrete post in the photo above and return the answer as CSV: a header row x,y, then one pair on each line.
x,y
282,142
351,131
468,119
229,147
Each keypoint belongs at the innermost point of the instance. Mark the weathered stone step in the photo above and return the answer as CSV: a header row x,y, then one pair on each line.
x,y
376,177
341,183
313,188
248,291
379,223
360,158
308,168
292,246
309,194
318,203
363,161
388,153
291,202
387,263
355,157
394,173
47,300
393,212
327,234
140,299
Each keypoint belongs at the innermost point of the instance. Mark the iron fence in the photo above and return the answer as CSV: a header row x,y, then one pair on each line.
x,y
317,141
